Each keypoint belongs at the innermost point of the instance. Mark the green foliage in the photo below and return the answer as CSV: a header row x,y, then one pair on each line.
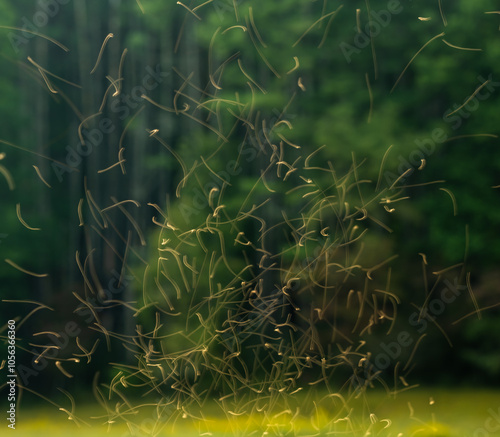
x,y
278,197
481,348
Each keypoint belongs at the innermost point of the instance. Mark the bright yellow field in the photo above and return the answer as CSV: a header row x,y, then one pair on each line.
x,y
419,412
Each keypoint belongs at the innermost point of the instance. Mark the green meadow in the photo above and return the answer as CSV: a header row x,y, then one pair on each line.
x,y
250,218
416,412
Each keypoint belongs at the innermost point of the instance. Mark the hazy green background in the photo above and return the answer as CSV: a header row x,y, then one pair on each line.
x,y
347,93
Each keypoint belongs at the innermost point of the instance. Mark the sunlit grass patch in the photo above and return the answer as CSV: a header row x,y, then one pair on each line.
x,y
424,412
253,285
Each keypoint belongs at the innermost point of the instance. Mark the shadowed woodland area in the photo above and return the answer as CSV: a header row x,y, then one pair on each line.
x,y
248,207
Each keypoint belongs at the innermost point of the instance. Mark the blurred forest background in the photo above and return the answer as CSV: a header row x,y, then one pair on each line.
x,y
134,156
